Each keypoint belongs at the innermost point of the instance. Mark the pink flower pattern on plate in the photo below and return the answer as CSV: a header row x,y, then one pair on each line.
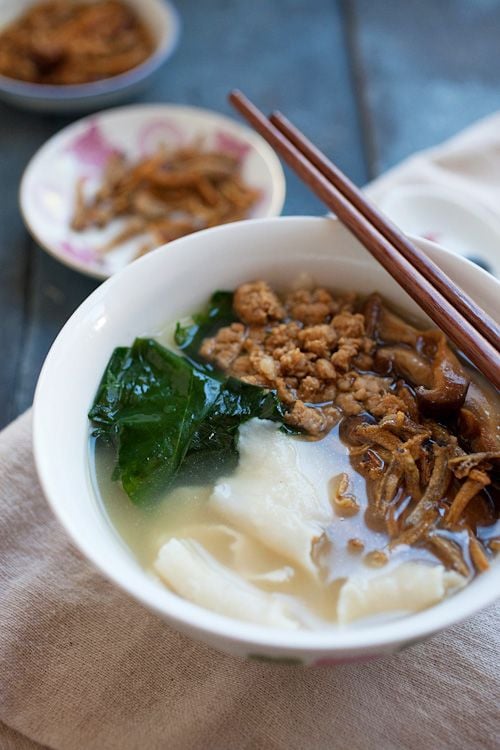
x,y
91,147
231,145
82,254
159,131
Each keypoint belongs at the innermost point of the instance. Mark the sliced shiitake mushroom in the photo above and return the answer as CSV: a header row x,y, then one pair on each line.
x,y
386,326
479,420
405,362
449,386
440,381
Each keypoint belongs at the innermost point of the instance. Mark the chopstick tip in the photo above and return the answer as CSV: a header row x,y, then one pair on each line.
x,y
235,95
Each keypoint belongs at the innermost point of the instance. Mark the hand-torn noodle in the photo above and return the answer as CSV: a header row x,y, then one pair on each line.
x,y
409,588
166,195
194,574
63,42
284,512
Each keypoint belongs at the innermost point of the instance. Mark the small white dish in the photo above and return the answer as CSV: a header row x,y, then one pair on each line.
x,y
48,185
448,217
165,286
161,19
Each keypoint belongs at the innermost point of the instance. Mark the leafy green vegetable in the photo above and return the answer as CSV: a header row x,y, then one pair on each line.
x,y
213,449
169,420
149,405
219,313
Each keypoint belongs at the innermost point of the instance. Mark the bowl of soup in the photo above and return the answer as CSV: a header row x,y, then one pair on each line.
x,y
252,435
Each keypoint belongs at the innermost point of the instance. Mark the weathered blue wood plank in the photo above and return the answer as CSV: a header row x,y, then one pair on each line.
x,y
20,135
54,292
289,55
429,69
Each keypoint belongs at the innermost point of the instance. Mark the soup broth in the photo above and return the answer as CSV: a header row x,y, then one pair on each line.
x,y
346,505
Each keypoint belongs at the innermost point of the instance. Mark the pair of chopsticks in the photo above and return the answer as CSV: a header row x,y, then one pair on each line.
x,y
459,317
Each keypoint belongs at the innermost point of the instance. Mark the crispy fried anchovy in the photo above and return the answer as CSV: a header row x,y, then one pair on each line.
x,y
449,553
436,488
411,472
401,465
368,462
388,485
440,434
462,465
379,436
402,426
393,525
426,465
477,553
344,501
415,533
475,482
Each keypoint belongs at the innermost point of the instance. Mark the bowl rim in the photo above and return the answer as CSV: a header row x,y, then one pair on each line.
x,y
208,625
104,86
277,181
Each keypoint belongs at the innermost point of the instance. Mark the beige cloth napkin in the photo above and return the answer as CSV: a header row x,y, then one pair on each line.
x,y
83,667
469,162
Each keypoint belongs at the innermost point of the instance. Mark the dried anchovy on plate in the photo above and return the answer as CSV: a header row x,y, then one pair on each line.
x,y
61,42
166,195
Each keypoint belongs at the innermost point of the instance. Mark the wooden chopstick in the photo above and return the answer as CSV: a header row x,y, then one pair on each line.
x,y
453,293
458,329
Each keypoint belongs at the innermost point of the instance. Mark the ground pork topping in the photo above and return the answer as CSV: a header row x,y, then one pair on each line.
x,y
309,345
224,348
255,303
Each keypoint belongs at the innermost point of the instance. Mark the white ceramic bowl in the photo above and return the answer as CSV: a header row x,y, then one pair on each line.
x,y
161,19
449,217
162,287
47,191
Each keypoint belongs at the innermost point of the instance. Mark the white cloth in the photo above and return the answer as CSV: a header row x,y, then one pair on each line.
x,y
469,162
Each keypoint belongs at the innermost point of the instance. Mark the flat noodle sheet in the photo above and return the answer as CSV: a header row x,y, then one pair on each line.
x,y
408,588
242,554
281,509
186,566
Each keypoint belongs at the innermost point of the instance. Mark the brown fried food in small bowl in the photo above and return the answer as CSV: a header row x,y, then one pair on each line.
x,y
69,55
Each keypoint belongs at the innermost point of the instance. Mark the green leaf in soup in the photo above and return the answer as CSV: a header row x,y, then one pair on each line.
x,y
108,399
214,446
149,404
218,314
170,421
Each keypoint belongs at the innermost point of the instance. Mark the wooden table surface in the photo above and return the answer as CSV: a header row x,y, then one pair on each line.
x,y
370,81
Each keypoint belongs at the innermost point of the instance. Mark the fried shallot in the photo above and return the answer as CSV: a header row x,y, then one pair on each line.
x,y
62,42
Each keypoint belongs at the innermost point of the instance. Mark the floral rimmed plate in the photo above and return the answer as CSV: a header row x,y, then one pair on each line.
x,y
47,192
